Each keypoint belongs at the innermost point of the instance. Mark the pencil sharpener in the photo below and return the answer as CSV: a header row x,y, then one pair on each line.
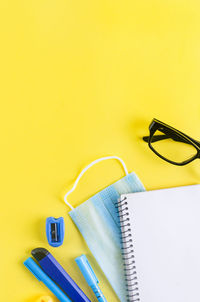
x,y
55,231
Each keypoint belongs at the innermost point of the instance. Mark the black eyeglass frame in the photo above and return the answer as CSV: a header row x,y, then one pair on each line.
x,y
176,135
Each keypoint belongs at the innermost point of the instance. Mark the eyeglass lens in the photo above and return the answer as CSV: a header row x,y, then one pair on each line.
x,y
177,150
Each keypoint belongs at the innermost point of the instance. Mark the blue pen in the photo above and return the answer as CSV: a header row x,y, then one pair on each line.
x,y
41,276
57,273
90,277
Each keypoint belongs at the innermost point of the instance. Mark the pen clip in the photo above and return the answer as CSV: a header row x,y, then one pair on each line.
x,y
91,270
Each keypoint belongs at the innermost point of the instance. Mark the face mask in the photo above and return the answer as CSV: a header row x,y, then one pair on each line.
x,y
97,220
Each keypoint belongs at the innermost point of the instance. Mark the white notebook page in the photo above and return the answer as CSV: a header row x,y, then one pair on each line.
x,y
165,227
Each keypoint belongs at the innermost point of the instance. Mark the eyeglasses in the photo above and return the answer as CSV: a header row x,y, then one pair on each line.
x,y
171,144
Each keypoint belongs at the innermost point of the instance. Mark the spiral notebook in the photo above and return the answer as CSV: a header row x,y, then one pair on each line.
x,y
161,244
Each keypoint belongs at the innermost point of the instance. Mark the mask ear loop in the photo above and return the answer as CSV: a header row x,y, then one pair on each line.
x,y
88,167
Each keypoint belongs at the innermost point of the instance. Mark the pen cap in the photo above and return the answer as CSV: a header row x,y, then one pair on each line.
x,y
86,270
33,268
57,273
41,276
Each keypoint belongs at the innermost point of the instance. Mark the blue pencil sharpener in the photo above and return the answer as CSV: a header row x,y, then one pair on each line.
x,y
55,231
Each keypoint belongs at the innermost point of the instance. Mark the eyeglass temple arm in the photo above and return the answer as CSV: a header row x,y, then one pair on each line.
x,y
157,138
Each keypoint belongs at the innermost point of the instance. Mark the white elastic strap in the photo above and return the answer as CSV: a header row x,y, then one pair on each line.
x,y
88,167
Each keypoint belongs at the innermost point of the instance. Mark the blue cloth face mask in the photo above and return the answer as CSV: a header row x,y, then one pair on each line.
x,y
97,220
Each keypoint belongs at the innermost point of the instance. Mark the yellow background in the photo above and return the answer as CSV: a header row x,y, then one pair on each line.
x,y
80,80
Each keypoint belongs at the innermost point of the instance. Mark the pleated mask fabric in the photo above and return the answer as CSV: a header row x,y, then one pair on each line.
x,y
98,221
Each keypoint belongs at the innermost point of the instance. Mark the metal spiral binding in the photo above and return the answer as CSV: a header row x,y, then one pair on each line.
x,y
128,252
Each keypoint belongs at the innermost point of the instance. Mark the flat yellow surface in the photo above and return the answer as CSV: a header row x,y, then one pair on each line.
x,y
81,80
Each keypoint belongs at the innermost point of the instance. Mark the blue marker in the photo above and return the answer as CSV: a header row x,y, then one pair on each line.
x,y
57,273
90,277
41,276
